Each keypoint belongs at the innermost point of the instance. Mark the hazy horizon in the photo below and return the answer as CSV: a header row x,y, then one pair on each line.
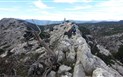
x,y
84,10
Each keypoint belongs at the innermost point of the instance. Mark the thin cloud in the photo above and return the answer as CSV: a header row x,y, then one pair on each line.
x,y
111,8
13,1
39,4
71,1
8,9
78,8
87,1
65,1
100,10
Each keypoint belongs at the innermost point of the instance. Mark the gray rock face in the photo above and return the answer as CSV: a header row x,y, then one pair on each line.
x,y
36,69
88,61
52,74
74,57
61,55
99,72
12,34
77,46
103,50
78,71
67,74
71,56
91,62
63,69
118,67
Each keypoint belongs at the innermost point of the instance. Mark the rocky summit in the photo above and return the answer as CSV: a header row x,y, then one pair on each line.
x,y
52,53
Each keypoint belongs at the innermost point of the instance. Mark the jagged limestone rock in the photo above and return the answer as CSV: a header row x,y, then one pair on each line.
x,y
69,51
52,74
99,72
118,67
78,70
61,55
36,69
63,69
89,61
103,50
71,55
67,74
86,58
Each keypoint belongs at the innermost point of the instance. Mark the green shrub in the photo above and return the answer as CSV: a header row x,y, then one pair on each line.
x,y
119,54
84,30
44,35
2,51
106,59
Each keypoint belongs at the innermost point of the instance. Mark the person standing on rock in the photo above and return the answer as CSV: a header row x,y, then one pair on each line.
x,y
71,30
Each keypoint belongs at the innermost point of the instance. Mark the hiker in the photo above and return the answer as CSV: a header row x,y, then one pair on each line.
x,y
71,30
74,29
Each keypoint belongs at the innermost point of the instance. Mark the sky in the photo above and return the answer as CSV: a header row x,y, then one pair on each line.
x,y
60,9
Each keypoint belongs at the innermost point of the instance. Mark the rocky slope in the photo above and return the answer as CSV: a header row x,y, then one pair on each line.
x,y
75,56
108,34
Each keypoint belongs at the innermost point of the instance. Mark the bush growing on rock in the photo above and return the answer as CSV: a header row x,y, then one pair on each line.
x,y
2,51
119,54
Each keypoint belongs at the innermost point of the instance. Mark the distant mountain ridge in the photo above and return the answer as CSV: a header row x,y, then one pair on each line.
x,y
48,22
43,22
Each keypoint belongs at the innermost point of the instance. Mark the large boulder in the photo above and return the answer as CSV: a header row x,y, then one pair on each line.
x,y
99,72
78,71
64,68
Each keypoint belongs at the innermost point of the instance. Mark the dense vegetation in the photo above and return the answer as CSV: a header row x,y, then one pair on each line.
x,y
99,31
105,28
119,54
84,30
1,51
